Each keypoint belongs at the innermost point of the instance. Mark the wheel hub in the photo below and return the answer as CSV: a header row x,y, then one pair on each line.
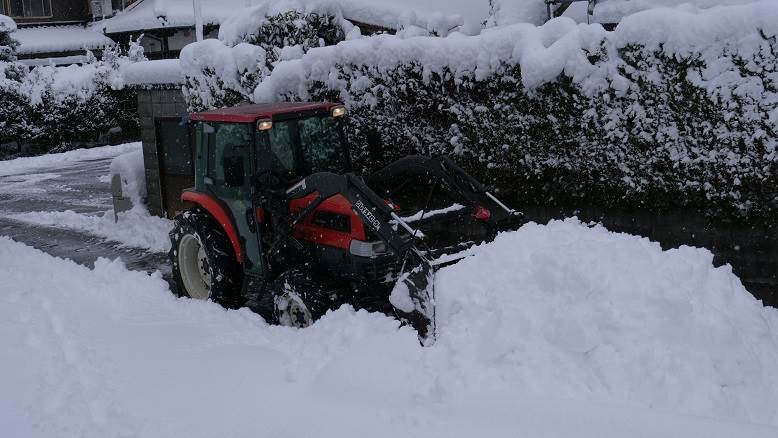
x,y
194,267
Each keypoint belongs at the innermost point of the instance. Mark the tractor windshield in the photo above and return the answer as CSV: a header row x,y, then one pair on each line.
x,y
300,147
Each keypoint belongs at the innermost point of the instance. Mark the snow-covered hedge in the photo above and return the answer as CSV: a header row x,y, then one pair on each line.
x,y
8,45
225,72
674,107
51,106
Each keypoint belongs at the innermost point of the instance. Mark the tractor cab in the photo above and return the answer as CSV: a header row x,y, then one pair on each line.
x,y
244,149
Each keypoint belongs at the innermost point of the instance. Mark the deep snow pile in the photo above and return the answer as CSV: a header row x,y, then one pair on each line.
x,y
557,330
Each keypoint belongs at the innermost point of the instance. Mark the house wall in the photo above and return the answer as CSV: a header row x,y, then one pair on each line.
x,y
153,104
61,11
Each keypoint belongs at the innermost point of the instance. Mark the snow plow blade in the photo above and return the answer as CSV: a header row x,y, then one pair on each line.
x,y
413,296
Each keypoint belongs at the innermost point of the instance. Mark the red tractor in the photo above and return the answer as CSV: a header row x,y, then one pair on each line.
x,y
280,224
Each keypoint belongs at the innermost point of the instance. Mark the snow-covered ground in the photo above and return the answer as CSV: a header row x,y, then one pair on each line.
x,y
29,182
550,331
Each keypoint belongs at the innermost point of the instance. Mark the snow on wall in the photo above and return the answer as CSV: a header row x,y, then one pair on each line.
x,y
43,39
559,330
156,72
131,169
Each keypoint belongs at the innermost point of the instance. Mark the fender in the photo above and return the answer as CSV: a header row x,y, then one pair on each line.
x,y
217,210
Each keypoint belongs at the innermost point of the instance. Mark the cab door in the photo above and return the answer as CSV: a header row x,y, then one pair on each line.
x,y
228,178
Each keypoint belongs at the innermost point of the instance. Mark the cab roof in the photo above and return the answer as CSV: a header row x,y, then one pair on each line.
x,y
250,113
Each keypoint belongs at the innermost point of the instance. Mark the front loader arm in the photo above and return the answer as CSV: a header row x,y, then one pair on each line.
x,y
373,210
444,170
413,296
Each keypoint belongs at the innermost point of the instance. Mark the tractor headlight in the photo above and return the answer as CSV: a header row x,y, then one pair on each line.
x,y
264,125
338,111
367,249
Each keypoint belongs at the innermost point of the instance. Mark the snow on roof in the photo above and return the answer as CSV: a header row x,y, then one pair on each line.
x,y
45,39
151,14
162,71
157,14
612,11
7,24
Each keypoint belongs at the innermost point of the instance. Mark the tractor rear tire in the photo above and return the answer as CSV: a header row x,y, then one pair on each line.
x,y
299,300
204,262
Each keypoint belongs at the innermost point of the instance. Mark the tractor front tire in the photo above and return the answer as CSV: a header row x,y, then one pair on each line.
x,y
204,263
298,299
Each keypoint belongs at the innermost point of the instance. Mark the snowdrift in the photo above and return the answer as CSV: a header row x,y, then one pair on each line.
x,y
556,330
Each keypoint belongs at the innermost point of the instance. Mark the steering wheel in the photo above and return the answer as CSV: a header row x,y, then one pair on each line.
x,y
270,178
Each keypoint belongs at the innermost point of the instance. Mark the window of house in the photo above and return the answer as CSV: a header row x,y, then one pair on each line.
x,y
29,8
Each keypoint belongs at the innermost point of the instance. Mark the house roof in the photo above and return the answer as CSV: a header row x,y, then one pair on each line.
x,y
58,39
250,113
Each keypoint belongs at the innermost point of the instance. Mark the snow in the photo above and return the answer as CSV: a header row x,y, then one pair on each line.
x,y
543,52
55,60
135,228
519,11
27,164
156,72
7,24
129,166
150,14
45,39
556,330
612,11
422,214
396,14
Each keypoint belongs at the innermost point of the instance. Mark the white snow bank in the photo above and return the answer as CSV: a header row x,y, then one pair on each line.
x,y
44,39
156,72
558,330
26,164
7,24
135,228
130,167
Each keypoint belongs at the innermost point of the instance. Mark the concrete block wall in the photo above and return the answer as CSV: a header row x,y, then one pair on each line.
x,y
152,104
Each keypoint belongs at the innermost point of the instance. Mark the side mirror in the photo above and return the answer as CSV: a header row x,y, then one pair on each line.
x,y
234,173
